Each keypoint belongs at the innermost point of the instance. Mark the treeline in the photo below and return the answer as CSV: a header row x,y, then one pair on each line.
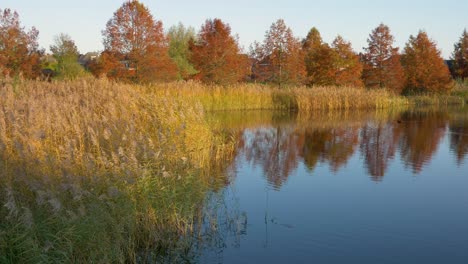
x,y
136,49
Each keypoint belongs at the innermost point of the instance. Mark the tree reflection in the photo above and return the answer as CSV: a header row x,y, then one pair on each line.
x,y
421,133
275,150
279,150
459,139
416,135
334,145
378,146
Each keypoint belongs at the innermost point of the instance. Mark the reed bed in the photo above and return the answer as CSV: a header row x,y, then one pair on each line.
x,y
94,171
346,98
219,98
261,97
457,98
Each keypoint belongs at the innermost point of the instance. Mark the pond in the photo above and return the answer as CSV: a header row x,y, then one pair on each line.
x,y
351,187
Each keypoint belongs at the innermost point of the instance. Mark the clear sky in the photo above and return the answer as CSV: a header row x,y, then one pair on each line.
x,y
84,20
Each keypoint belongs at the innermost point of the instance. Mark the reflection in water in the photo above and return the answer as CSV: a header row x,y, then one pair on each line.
x,y
459,138
421,133
378,147
275,150
335,146
280,147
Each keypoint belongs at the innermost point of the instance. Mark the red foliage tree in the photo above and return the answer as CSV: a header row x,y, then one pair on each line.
x,y
347,64
280,58
424,67
137,41
325,65
107,64
216,54
382,66
460,57
19,51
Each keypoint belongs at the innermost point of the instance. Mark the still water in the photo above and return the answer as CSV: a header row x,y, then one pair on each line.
x,y
343,188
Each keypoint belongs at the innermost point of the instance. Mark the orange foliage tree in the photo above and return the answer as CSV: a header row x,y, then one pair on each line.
x,y
280,58
382,66
347,65
335,65
107,64
19,51
216,54
460,57
319,60
424,67
135,46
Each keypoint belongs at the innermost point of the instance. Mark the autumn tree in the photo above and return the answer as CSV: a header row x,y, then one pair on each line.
x,y
423,65
319,60
216,54
179,38
280,58
107,65
460,57
382,66
137,41
335,65
19,51
66,53
348,68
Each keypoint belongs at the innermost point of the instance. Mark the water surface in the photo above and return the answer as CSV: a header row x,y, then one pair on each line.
x,y
343,188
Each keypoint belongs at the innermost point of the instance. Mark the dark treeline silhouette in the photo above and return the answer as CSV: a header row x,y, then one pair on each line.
x,y
413,136
136,49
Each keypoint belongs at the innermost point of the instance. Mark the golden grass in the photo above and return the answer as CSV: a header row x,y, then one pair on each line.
x,y
257,97
347,98
438,99
94,171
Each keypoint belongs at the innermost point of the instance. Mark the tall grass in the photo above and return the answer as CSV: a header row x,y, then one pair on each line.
x,y
256,97
456,98
93,171
330,98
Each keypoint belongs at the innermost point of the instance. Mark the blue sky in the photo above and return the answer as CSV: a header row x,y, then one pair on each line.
x,y
85,19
